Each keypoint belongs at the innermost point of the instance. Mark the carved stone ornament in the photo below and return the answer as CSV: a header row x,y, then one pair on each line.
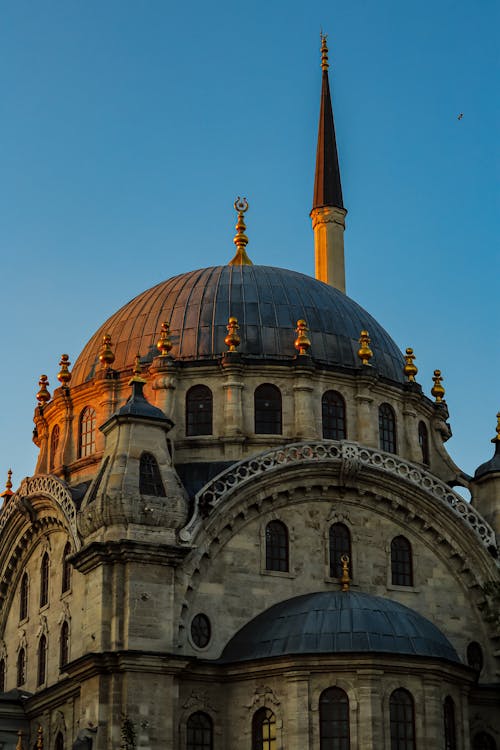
x,y
263,696
199,700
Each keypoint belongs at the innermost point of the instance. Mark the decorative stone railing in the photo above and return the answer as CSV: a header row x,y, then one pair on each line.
x,y
351,458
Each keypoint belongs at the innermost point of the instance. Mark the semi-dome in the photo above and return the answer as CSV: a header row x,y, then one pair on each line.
x,y
330,622
266,301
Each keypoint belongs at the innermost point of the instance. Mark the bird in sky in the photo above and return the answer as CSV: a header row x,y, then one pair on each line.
x,y
460,116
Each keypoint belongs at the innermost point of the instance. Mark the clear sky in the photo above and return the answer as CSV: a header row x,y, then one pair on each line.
x,y
127,129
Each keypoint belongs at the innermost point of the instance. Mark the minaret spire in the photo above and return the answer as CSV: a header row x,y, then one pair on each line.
x,y
328,212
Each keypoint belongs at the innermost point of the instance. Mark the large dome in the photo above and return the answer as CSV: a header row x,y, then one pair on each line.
x,y
267,302
338,622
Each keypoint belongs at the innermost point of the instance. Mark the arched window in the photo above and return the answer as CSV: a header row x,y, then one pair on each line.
x,y
199,408
450,737
42,660
66,569
475,657
199,732
149,476
44,580
59,743
264,730
2,675
276,546
21,667
267,409
401,562
387,428
402,713
333,416
423,441
334,720
340,544
54,444
483,741
64,646
23,597
86,442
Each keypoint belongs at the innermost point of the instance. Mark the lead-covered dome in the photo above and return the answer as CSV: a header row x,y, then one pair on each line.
x,y
330,622
267,302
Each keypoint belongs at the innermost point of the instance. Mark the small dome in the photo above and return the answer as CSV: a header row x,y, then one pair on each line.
x,y
267,303
338,622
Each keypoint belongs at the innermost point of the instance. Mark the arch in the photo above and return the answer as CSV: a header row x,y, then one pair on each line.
x,y
150,482
21,667
264,730
2,675
333,415
199,732
54,444
59,743
387,428
24,597
64,646
199,410
86,432
44,580
401,562
475,657
423,441
267,410
42,661
450,733
277,557
334,719
402,718
339,544
483,741
66,569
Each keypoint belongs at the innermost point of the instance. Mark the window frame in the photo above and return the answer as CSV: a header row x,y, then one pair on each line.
x,y
338,421
55,437
41,672
150,476
44,580
263,719
402,570
66,570
86,433
193,743
387,428
277,547
21,667
268,419
335,566
423,441
63,646
449,722
199,427
408,721
24,597
338,721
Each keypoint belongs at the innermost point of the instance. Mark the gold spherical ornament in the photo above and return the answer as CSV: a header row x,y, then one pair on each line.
x,y
302,343
106,357
64,375
232,340
437,389
496,439
410,369
43,395
364,352
164,344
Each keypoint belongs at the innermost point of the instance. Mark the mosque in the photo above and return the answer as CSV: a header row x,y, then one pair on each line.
x,y
242,529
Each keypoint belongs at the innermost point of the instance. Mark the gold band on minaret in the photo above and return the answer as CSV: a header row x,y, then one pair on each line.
x,y
240,239
324,53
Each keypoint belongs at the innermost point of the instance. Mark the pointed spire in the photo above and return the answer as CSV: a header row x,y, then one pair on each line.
x,y
327,187
240,239
7,494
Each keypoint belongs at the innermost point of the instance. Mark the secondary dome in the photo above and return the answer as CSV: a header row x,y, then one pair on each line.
x,y
267,302
338,622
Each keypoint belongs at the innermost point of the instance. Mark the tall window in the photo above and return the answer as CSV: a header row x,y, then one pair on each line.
x,y
423,441
267,409
402,713
483,741
450,737
23,597
86,443
199,732
21,667
149,476
387,428
59,743
276,546
44,580
333,414
264,730
199,407
340,544
64,646
334,720
401,562
2,675
66,569
54,444
475,656
42,660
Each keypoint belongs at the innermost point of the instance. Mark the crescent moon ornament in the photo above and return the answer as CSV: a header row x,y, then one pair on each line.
x,y
241,205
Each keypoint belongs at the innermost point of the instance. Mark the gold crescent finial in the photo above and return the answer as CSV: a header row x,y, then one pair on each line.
x,y
232,340
302,343
240,239
364,352
345,579
164,343
324,52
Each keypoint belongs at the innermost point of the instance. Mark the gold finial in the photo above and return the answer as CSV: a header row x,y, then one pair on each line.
x,y
240,239
43,394
437,389
20,743
410,369
302,343
106,357
7,494
64,375
164,343
39,739
324,52
364,352
496,439
345,579
137,377
232,339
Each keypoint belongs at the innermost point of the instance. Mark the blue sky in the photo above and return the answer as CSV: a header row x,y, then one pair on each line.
x,y
128,129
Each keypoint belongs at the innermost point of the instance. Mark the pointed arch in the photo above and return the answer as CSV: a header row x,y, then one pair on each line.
x,y
42,660
150,482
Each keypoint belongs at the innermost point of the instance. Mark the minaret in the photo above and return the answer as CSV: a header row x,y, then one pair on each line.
x,y
328,212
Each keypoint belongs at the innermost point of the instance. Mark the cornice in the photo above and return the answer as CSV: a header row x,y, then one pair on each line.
x,y
127,550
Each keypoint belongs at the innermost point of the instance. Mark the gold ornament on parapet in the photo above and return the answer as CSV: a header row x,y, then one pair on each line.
x,y
240,239
43,395
232,340
164,344
7,494
437,389
410,369
106,357
64,375
496,439
302,343
137,371
364,352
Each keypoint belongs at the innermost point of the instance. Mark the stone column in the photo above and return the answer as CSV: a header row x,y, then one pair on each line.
x,y
367,416
432,722
297,712
68,452
370,718
303,388
163,370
